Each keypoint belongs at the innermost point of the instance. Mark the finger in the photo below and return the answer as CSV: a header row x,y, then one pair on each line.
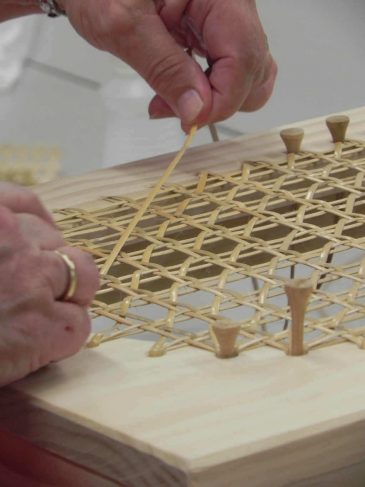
x,y
238,83
171,11
158,108
256,98
40,332
237,56
173,75
58,275
70,329
230,88
173,15
262,91
22,200
39,232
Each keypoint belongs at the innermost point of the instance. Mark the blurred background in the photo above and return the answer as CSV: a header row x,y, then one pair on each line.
x,y
87,110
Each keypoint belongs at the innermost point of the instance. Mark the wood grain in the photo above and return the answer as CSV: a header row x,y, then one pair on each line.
x,y
202,421
137,177
188,419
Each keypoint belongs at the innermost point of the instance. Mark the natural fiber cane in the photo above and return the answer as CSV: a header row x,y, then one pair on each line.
x,y
221,247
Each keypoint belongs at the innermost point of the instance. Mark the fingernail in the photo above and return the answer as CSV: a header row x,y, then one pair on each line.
x,y
189,105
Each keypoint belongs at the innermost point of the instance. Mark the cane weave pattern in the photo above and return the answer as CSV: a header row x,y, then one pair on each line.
x,y
222,247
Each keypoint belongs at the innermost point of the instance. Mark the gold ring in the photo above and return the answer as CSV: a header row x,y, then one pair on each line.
x,y
72,276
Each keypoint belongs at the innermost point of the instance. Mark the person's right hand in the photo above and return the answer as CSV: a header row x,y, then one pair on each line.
x,y
36,326
153,36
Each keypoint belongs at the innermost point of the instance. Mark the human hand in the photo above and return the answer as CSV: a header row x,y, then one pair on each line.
x,y
151,36
36,326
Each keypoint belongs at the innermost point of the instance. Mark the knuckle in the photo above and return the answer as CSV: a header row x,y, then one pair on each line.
x,y
118,22
163,72
25,195
23,200
115,25
32,197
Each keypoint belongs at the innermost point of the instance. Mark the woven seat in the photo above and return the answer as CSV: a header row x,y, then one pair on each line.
x,y
222,247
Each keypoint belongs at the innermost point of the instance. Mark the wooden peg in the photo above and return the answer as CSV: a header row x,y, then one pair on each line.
x,y
292,139
337,125
158,349
298,292
95,340
226,334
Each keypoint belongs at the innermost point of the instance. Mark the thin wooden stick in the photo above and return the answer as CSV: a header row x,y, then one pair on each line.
x,y
150,197
298,292
213,132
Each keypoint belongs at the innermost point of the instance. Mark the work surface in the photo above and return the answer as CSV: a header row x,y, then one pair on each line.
x,y
189,419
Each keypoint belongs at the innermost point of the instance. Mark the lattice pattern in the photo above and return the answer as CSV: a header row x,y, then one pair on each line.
x,y
220,248
28,165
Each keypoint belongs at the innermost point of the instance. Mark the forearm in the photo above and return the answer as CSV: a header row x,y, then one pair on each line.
x,y
10,9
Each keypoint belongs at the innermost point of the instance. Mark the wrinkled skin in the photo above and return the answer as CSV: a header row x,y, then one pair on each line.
x,y
150,36
36,326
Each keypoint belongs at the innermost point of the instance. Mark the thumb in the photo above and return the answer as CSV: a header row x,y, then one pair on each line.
x,y
169,70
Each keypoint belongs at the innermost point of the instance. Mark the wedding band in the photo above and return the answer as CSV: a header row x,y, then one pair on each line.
x,y
72,276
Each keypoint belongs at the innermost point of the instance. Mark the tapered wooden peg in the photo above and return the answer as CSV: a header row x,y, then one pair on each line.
x,y
226,334
95,340
337,125
298,292
292,139
158,349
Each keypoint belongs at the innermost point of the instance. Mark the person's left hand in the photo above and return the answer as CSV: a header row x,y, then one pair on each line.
x,y
38,323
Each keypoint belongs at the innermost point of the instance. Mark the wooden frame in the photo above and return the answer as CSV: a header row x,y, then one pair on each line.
x,y
189,419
